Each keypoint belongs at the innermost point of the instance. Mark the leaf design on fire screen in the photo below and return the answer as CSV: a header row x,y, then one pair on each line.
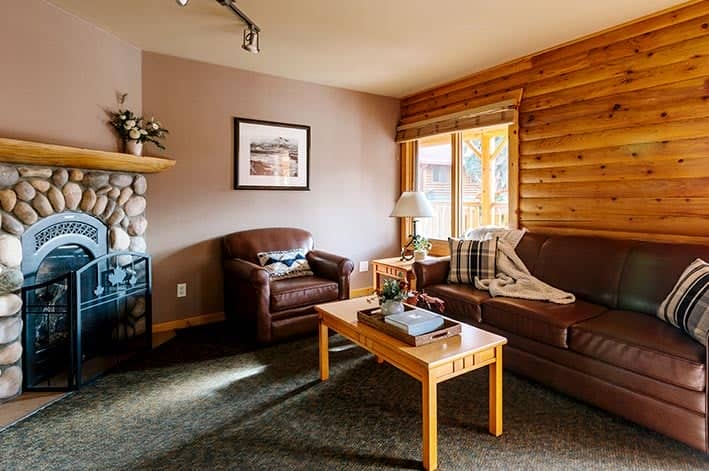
x,y
117,276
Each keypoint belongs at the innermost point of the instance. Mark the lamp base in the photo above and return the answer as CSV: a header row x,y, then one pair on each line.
x,y
404,257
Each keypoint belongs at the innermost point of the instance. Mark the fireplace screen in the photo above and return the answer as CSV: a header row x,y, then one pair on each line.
x,y
85,321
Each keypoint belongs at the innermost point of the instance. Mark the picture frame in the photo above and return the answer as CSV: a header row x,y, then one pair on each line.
x,y
269,155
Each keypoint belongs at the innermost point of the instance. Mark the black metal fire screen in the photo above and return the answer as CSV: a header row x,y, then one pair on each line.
x,y
79,325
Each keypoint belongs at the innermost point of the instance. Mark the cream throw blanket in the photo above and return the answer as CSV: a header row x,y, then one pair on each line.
x,y
514,280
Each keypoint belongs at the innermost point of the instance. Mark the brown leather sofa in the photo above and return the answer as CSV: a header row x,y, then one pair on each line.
x,y
279,309
607,348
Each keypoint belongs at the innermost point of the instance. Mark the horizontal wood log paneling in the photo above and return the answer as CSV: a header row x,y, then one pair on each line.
x,y
613,128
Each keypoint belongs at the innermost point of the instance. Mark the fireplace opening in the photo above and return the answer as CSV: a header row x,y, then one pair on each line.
x,y
85,309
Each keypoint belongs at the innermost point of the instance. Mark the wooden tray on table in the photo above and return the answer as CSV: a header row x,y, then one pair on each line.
x,y
374,318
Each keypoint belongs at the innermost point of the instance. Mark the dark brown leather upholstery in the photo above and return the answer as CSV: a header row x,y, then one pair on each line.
x,y
278,309
676,422
297,292
588,267
432,271
538,320
246,244
462,301
643,344
651,271
638,383
529,247
608,348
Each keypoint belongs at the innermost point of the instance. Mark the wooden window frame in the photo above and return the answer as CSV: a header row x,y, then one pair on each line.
x,y
409,152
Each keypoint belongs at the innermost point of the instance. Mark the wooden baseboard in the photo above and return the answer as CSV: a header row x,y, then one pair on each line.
x,y
219,316
360,292
189,322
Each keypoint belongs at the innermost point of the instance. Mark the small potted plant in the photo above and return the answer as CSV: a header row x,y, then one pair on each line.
x,y
135,130
392,296
421,247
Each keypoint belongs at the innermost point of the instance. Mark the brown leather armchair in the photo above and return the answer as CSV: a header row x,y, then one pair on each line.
x,y
278,309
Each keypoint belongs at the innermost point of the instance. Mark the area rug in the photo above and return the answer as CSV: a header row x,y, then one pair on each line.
x,y
211,402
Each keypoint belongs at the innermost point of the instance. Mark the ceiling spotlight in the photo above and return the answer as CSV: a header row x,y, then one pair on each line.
x,y
251,33
251,40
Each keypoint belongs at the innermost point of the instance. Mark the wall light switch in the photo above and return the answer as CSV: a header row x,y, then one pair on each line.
x,y
181,290
364,266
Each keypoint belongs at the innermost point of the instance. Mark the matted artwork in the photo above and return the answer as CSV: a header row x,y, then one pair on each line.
x,y
271,156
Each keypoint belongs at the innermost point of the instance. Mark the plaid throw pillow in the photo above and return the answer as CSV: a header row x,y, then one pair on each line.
x,y
687,305
470,259
285,263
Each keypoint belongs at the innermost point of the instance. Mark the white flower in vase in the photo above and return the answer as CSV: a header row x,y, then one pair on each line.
x,y
134,133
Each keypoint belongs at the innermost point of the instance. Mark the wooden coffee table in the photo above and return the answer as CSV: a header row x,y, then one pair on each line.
x,y
430,364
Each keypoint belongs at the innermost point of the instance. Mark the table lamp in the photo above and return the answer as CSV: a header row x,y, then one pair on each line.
x,y
412,204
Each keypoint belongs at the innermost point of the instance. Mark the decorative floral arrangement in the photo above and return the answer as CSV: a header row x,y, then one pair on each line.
x,y
131,127
396,290
421,243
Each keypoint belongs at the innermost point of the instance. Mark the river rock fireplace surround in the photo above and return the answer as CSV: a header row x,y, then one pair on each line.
x,y
85,224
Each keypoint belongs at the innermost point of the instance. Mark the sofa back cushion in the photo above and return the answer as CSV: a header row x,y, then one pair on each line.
x,y
651,270
589,267
529,247
246,245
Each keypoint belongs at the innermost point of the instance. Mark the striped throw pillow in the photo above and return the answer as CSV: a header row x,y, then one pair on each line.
x,y
285,263
687,305
470,259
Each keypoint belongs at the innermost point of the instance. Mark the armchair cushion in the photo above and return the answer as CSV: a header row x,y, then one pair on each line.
x,y
291,293
282,264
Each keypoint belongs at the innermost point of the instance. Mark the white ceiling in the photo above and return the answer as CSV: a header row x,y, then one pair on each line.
x,y
385,47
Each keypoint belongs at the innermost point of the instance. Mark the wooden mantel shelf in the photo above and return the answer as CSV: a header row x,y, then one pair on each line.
x,y
35,153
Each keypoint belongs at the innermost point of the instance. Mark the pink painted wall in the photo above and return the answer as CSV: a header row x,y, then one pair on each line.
x,y
57,75
353,174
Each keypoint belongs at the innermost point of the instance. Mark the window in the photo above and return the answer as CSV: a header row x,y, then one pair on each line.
x,y
477,193
433,177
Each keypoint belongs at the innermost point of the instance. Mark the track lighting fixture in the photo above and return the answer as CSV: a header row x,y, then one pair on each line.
x,y
251,41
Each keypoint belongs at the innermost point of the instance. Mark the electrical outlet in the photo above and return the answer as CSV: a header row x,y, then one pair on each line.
x,y
364,266
181,290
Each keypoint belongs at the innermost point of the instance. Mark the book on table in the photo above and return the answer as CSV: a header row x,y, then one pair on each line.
x,y
415,321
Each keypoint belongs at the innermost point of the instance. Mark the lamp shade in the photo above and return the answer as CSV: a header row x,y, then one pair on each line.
x,y
412,204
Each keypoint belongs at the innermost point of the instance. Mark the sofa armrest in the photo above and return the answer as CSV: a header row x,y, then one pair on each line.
x,y
431,272
332,267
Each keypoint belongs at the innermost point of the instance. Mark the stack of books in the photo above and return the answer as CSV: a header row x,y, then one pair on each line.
x,y
415,322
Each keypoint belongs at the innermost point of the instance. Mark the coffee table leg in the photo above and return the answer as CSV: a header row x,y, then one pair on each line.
x,y
430,424
495,372
324,353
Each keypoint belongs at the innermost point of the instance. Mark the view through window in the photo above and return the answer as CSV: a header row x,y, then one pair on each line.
x,y
483,195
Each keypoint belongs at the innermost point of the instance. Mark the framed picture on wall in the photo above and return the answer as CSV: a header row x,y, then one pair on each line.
x,y
271,156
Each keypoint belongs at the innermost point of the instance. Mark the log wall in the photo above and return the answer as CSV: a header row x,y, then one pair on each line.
x,y
614,128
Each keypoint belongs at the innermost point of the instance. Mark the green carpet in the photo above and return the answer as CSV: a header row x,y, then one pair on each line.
x,y
207,401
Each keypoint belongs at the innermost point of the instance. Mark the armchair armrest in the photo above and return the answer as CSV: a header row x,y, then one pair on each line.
x,y
332,267
245,271
431,272
247,293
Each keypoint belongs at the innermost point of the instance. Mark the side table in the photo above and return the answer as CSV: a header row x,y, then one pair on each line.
x,y
393,268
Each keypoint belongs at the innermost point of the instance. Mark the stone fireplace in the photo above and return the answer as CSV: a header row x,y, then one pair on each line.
x,y
54,220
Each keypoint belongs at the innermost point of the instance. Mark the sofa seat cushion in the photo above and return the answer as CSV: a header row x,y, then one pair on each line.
x,y
642,344
296,292
462,301
538,320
